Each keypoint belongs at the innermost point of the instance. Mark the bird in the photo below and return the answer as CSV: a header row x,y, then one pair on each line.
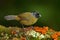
x,y
25,18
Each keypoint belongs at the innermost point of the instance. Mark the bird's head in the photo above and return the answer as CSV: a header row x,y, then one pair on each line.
x,y
36,14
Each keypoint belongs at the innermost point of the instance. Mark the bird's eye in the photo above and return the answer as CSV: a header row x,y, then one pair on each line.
x,y
36,14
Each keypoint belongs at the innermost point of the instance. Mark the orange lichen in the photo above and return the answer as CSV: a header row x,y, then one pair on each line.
x,y
46,28
58,33
43,31
40,29
56,39
54,35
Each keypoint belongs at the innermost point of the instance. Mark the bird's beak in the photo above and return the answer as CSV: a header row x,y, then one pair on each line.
x,y
40,15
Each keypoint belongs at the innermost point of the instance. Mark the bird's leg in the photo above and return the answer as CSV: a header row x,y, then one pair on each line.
x,y
32,27
22,26
23,29
27,38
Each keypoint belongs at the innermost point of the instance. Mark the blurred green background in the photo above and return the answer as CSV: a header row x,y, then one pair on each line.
x,y
49,9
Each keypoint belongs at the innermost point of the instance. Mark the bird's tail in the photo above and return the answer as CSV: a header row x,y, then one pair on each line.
x,y
10,17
